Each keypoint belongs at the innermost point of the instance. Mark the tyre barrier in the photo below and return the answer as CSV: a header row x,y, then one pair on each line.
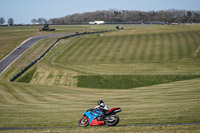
x,y
39,58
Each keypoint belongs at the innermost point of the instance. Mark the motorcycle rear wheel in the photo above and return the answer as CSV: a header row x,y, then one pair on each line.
x,y
83,122
113,120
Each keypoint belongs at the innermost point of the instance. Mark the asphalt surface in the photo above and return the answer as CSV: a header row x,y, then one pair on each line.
x,y
140,125
17,52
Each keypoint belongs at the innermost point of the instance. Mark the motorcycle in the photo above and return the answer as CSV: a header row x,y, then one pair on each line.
x,y
93,117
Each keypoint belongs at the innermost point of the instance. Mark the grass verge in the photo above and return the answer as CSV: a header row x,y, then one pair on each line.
x,y
28,76
128,81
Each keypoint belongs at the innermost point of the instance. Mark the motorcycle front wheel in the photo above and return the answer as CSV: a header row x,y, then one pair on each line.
x,y
83,122
113,120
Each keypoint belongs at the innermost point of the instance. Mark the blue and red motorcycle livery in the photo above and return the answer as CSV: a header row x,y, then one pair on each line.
x,y
93,117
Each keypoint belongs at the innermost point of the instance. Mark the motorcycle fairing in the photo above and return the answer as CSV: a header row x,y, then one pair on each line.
x,y
94,122
91,115
113,110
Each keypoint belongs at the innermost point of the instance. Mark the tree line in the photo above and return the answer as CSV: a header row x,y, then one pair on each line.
x,y
34,21
10,21
130,16
121,16
39,21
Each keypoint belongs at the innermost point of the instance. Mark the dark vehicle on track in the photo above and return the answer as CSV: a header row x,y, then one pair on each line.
x,y
46,28
119,28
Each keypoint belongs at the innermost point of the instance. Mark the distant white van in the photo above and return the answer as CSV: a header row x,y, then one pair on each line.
x,y
97,22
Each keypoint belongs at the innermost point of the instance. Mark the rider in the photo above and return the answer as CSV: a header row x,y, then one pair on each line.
x,y
101,107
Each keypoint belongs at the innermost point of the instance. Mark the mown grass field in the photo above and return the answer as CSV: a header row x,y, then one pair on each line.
x,y
12,36
160,50
180,46
128,81
159,47
28,57
25,105
167,51
52,96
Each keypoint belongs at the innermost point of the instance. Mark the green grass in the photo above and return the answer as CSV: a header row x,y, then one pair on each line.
x,y
128,81
25,105
12,36
159,47
28,76
160,50
150,54
32,54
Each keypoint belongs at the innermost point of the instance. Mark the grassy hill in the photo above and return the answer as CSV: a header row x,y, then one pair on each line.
x,y
24,105
140,52
12,36
162,61
118,49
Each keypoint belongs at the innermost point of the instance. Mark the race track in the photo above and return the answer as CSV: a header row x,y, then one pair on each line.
x,y
17,52
142,125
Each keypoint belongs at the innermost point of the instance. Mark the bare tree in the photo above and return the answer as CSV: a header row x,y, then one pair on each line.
x,y
42,21
10,21
2,21
34,21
